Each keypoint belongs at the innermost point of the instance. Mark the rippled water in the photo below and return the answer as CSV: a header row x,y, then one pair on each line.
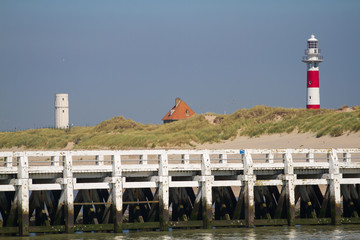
x,y
297,232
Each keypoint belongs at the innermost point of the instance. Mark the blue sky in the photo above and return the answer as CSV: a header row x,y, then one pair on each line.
x,y
133,58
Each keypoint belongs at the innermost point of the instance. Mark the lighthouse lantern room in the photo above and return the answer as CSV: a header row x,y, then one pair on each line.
x,y
312,59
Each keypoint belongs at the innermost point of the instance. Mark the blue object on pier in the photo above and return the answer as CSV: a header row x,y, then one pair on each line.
x,y
242,151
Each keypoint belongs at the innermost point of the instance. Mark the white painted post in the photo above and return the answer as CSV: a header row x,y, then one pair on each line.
x,y
8,162
185,159
23,194
223,158
249,182
117,200
68,182
55,161
99,160
288,167
310,156
164,191
143,159
347,157
269,158
290,178
335,194
206,189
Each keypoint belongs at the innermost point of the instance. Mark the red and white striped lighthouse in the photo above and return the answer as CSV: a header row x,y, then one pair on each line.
x,y
312,59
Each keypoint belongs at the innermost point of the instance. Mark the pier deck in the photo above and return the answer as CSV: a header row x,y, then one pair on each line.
x,y
67,191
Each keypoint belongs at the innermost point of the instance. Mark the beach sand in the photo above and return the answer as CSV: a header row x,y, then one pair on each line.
x,y
292,140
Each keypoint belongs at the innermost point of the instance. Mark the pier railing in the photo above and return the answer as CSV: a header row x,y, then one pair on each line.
x,y
54,191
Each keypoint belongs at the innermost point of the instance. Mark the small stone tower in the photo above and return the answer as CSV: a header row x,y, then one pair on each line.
x,y
62,110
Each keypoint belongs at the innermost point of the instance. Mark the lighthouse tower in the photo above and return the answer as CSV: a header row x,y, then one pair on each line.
x,y
312,59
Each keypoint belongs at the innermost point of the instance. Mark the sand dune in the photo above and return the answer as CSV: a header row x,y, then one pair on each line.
x,y
293,140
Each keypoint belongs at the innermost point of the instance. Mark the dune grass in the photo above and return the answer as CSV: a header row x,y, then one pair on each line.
x,y
121,133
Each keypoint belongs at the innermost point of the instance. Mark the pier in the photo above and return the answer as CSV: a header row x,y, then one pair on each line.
x,y
69,191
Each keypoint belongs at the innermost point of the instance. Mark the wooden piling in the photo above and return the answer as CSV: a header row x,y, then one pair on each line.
x,y
23,195
68,183
206,190
248,182
117,201
282,205
289,188
355,198
196,212
239,208
163,192
325,211
335,194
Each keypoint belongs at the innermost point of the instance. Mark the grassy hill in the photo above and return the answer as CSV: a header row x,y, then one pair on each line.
x,y
121,133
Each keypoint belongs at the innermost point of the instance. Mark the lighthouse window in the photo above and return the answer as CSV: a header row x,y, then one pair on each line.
x,y
312,44
63,111
63,99
309,97
309,82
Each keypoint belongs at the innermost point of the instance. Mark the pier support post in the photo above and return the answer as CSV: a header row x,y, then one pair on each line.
x,y
163,192
23,195
206,190
335,193
290,188
117,200
68,183
249,182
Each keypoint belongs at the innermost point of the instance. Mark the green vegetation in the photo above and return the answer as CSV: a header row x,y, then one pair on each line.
x,y
121,133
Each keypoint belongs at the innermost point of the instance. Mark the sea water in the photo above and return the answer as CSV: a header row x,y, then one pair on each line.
x,y
284,232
